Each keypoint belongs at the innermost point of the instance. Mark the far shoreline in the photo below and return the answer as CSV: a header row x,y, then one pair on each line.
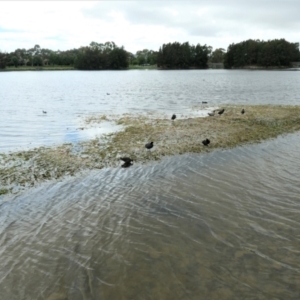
x,y
136,67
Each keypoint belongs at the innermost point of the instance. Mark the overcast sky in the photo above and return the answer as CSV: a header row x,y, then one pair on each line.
x,y
145,24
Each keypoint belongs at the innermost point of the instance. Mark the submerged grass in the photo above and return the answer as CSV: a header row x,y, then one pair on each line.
x,y
27,168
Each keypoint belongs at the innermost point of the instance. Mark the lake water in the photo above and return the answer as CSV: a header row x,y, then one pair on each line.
x,y
223,225
68,96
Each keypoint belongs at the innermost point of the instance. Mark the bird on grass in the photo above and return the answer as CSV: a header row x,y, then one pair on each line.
x,y
206,142
149,145
221,111
243,111
126,165
126,159
127,162
211,114
173,117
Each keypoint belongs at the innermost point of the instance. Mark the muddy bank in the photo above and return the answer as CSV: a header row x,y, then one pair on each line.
x,y
23,169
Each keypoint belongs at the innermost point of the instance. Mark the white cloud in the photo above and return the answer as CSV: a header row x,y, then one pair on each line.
x,y
145,24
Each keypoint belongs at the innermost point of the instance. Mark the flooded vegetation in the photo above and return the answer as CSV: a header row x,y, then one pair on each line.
x,y
183,135
223,225
184,220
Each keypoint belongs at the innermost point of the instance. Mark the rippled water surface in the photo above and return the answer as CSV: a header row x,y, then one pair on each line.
x,y
223,225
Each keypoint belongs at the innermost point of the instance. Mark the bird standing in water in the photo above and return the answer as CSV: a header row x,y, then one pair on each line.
x,y
206,142
149,145
243,111
173,117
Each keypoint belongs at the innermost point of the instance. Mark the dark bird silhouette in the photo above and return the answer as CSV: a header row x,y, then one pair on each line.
x,y
126,159
127,162
204,102
126,165
149,145
211,114
243,111
221,111
44,112
173,117
107,93
206,142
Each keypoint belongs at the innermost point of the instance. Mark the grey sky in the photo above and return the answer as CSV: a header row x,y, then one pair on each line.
x,y
145,24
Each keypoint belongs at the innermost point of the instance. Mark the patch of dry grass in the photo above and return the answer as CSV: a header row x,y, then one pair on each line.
x,y
225,131
26,168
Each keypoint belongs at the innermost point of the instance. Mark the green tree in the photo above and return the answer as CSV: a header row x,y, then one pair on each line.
x,y
145,56
272,53
217,55
37,60
3,58
118,58
88,59
101,57
201,56
131,59
182,56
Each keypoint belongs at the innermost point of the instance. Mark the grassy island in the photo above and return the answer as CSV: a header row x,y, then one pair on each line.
x,y
24,169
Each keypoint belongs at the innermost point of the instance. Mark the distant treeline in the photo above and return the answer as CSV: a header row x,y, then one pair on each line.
x,y
108,56
93,57
274,53
182,56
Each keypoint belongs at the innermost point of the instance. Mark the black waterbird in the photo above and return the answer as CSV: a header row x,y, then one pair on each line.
x,y
173,117
243,111
221,111
206,142
44,112
127,162
126,159
149,145
126,165
204,102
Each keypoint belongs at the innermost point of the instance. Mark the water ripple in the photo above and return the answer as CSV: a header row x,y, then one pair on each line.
x,y
223,225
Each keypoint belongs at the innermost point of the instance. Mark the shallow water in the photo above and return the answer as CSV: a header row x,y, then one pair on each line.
x,y
223,225
69,96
